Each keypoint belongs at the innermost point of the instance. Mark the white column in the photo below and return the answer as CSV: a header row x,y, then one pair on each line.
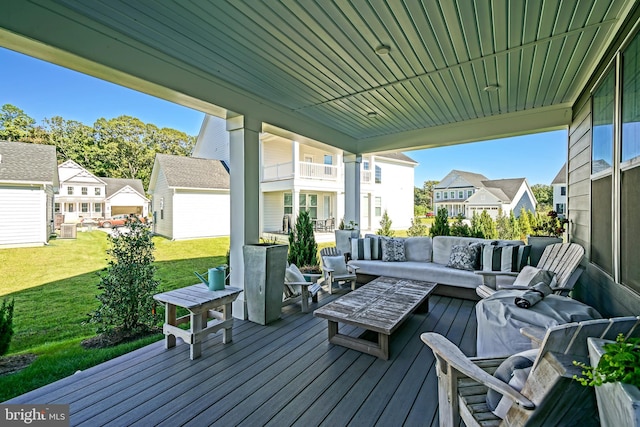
x,y
352,188
295,158
244,152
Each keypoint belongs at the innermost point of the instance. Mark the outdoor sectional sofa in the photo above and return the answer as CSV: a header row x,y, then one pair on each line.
x,y
427,260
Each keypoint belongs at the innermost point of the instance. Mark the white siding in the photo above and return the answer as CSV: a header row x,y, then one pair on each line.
x,y
396,190
23,216
277,151
273,211
204,213
128,199
162,222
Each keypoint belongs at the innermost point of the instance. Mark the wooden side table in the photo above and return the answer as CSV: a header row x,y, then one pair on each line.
x,y
200,302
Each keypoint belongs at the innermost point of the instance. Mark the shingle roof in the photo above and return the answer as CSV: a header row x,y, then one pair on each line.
x,y
504,187
20,161
116,184
397,156
474,179
192,172
561,178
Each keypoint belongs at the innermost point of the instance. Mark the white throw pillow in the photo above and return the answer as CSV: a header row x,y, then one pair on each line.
x,y
293,274
513,371
530,276
337,264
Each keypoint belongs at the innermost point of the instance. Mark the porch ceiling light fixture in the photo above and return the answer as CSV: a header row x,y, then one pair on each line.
x,y
491,88
372,114
382,50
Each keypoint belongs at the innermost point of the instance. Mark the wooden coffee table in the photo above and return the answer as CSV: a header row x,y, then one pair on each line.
x,y
380,306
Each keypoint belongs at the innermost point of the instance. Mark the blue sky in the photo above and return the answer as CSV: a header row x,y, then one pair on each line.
x,y
43,90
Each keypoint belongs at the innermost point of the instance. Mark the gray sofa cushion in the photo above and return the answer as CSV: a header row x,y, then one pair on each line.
x,y
418,248
442,246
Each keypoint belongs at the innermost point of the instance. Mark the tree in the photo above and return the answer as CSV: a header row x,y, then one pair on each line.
x,y
385,225
441,223
459,228
502,225
417,228
544,196
6,325
303,249
524,225
483,226
127,288
15,124
514,227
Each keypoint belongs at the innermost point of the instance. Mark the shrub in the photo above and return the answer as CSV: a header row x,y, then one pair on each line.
x,y
126,301
385,225
620,362
417,228
440,223
303,248
6,325
459,228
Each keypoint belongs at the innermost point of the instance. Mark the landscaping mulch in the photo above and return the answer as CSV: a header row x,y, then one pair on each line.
x,y
116,337
11,364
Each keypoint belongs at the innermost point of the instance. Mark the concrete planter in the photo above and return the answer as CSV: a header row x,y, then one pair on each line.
x,y
342,239
264,281
618,403
538,244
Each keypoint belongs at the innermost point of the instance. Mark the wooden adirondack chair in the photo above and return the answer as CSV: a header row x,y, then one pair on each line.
x,y
550,395
333,277
561,258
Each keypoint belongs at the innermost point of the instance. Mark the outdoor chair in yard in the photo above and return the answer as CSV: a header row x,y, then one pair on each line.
x,y
298,289
563,259
535,387
336,270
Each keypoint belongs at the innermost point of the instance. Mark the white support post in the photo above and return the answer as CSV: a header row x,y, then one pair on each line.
x,y
244,151
352,188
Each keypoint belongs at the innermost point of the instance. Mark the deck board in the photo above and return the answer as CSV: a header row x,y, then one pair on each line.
x,y
285,373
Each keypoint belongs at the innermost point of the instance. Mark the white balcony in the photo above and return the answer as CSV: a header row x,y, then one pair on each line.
x,y
306,170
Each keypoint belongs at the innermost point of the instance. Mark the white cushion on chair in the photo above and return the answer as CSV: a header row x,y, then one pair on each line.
x,y
293,274
337,264
530,276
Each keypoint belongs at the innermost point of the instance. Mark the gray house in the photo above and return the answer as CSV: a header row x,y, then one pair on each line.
x,y
28,182
190,197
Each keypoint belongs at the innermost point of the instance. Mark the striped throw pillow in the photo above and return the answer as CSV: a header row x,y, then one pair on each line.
x,y
504,258
361,248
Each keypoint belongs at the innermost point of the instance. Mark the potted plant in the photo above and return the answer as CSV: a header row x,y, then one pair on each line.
x,y
547,230
303,248
615,374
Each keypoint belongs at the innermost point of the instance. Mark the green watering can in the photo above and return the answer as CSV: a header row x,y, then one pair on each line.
x,y
216,278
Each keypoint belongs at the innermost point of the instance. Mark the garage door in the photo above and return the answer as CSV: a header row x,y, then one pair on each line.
x,y
22,213
126,210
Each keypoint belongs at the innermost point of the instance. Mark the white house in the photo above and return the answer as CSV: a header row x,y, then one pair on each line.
x,y
464,193
310,175
559,185
28,182
190,197
84,195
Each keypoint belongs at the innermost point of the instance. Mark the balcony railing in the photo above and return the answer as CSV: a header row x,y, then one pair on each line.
x,y
306,170
278,172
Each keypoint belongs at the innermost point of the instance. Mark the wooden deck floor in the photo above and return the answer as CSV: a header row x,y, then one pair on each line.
x,y
285,373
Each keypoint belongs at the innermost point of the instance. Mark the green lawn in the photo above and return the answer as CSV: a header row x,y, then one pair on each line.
x,y
54,288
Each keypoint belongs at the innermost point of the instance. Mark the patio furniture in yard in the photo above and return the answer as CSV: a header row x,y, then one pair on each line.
x,y
200,302
563,259
379,307
546,395
335,269
299,287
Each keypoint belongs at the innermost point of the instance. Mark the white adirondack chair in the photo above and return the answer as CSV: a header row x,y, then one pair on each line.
x,y
550,395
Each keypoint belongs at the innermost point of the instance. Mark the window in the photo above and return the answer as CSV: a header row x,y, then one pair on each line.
x,y
560,208
378,206
453,194
70,191
97,207
601,164
70,207
446,194
56,207
97,191
469,193
84,207
288,203
310,203
365,165
328,161
563,191
378,175
84,191
437,195
460,194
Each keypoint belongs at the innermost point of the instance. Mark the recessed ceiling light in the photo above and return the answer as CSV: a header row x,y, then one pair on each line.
x,y
383,49
491,88
372,114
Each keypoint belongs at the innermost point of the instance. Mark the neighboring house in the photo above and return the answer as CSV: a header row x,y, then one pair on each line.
x,y
190,197
125,196
28,182
559,185
84,195
310,176
467,193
